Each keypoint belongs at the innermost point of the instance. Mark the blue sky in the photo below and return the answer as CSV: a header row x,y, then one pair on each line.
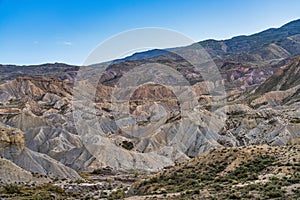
x,y
40,31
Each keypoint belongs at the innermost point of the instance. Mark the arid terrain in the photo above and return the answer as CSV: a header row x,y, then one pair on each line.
x,y
235,136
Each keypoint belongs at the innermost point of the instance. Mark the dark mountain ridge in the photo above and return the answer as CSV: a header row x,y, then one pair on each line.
x,y
246,44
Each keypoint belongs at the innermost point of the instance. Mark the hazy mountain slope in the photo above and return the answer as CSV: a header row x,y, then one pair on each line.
x,y
283,87
259,49
10,72
274,43
285,78
252,43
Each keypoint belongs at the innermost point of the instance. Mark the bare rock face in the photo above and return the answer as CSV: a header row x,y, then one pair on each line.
x,y
43,164
43,89
282,88
19,88
26,120
154,127
10,172
203,87
12,148
63,146
275,97
265,126
156,132
11,142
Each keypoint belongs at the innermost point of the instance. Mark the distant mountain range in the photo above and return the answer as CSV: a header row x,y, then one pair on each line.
x,y
271,44
264,50
285,38
42,140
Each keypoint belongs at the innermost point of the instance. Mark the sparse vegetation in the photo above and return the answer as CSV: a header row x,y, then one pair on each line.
x,y
127,145
12,189
295,121
118,194
222,180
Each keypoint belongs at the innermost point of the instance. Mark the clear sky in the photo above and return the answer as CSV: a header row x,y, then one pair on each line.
x,y
39,31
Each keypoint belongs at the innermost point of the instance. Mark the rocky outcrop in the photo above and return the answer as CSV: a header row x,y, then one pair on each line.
x,y
26,120
154,125
34,88
12,147
265,126
11,142
286,77
156,132
10,172
43,164
274,98
63,146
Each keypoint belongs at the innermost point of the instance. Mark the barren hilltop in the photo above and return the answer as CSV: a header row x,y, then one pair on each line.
x,y
63,137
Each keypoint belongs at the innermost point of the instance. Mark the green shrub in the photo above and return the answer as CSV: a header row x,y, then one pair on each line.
x,y
54,188
119,194
275,194
127,145
12,189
